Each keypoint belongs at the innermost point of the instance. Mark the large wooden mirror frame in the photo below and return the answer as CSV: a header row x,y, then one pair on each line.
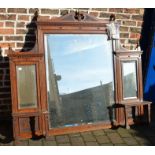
x,y
85,30
82,102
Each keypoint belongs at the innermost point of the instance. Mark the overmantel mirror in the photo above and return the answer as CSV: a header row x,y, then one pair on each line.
x,y
77,73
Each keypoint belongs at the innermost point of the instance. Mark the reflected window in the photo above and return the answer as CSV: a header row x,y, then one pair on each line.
x,y
80,84
26,86
129,80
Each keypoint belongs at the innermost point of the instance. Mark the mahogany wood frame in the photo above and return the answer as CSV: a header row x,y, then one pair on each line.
x,y
68,24
127,56
25,59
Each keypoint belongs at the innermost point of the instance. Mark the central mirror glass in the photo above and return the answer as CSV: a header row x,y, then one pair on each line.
x,y
80,83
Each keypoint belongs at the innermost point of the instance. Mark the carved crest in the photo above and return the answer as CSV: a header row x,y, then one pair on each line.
x,y
73,17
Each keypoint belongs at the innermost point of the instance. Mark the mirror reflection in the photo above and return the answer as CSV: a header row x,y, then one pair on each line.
x,y
79,72
26,86
129,80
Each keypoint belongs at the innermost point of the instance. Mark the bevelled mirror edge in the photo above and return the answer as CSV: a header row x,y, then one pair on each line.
x,y
27,98
84,45
129,79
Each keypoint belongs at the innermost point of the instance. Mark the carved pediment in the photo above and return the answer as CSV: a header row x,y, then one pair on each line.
x,y
73,17
77,16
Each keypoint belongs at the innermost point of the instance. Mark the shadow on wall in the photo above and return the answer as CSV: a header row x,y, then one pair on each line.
x,y
5,87
6,134
30,38
5,102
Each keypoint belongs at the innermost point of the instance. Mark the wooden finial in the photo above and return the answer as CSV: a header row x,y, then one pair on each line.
x,y
137,46
78,16
10,50
36,13
9,47
112,17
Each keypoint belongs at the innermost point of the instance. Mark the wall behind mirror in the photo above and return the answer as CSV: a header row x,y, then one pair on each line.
x,y
80,83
